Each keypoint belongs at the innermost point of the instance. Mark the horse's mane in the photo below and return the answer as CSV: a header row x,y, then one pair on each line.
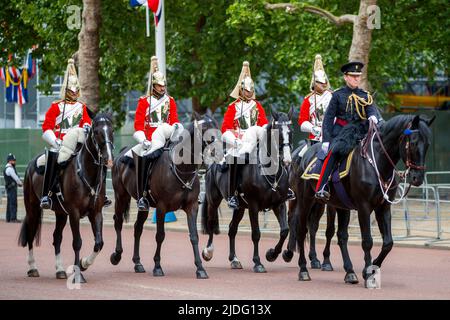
x,y
108,116
400,122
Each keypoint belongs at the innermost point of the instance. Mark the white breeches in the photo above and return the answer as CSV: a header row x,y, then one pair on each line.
x,y
73,136
159,137
245,145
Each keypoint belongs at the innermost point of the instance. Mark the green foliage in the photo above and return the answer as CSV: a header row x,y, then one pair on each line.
x,y
206,42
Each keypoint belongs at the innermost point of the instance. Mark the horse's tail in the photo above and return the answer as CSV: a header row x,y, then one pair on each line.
x,y
126,214
209,225
31,225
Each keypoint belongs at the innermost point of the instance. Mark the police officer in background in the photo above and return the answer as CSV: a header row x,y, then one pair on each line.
x,y
12,180
345,123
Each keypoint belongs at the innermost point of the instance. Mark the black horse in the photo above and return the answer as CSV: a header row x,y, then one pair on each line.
x,y
83,194
258,191
171,186
371,186
313,220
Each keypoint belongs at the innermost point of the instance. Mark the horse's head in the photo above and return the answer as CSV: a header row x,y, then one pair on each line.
x,y
102,137
282,122
414,143
206,127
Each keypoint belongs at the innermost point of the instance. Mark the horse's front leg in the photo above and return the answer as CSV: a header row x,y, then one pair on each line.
x,y
256,235
331,217
61,220
366,242
160,235
193,236
342,234
314,219
76,245
96,220
138,227
232,231
280,213
383,216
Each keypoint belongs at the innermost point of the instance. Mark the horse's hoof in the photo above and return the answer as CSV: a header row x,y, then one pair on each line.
x,y
79,278
351,278
61,275
33,273
158,272
81,266
115,258
327,267
201,274
315,264
207,255
139,268
236,264
304,276
271,256
287,255
259,268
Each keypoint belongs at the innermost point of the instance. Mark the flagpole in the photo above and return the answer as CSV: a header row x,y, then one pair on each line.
x,y
147,21
160,41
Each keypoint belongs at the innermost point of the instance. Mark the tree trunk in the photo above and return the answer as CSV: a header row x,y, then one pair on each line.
x,y
362,37
89,53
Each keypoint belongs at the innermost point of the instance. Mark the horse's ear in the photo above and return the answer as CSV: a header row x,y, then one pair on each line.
x,y
273,113
291,111
196,115
415,122
429,122
91,113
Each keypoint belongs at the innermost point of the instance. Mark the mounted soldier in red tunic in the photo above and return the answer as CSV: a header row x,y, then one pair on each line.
x,y
156,121
68,116
315,104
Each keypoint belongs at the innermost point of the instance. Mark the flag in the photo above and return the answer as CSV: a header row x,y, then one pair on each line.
x,y
16,80
154,5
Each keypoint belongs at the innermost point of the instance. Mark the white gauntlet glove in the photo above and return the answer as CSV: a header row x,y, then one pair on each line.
x,y
374,119
316,131
146,144
325,146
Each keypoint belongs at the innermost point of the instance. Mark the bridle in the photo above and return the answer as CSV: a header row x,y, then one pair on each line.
x,y
387,185
188,184
97,160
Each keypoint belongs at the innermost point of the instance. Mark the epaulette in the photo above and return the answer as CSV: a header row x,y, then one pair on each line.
x,y
143,97
339,89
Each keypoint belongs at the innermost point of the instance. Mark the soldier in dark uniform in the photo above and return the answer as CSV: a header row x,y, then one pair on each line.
x,y
345,123
12,180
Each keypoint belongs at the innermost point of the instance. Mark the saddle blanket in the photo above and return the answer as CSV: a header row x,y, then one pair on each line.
x,y
315,166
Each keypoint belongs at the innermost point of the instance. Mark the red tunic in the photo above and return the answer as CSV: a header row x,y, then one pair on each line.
x,y
311,114
256,114
146,122
75,115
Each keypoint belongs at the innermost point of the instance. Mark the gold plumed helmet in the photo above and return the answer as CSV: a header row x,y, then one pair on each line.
x,y
71,81
245,82
319,74
156,76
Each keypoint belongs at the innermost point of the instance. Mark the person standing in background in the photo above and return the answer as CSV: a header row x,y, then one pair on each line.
x,y
12,180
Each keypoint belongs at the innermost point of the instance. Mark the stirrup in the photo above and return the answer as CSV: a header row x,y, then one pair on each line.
x,y
107,202
322,195
46,203
143,204
290,195
233,202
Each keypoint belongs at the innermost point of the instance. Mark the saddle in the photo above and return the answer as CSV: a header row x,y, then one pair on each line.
x,y
314,168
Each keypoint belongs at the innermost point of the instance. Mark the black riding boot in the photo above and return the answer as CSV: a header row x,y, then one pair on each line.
x,y
232,200
107,202
51,169
142,166
321,193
